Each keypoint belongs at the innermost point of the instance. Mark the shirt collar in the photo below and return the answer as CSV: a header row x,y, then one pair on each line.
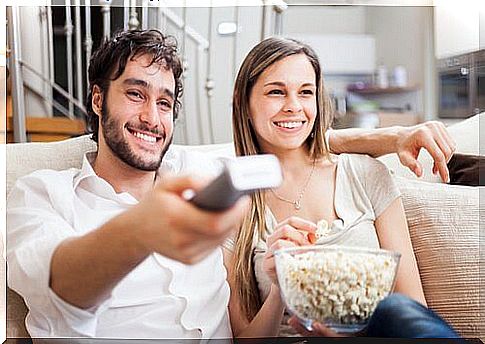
x,y
168,165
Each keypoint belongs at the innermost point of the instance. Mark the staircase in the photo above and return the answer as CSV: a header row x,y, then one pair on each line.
x,y
49,49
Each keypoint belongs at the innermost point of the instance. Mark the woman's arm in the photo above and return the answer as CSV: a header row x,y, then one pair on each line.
x,y
266,322
291,232
393,234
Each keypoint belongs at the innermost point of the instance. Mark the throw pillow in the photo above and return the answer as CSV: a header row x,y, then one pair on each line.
x,y
444,226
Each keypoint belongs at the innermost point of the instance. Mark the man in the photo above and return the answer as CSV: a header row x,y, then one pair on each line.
x,y
113,249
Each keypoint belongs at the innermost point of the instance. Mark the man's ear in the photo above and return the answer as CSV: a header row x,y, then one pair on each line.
x,y
97,100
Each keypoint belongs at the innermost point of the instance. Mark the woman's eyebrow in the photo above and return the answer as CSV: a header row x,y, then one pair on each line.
x,y
274,83
282,84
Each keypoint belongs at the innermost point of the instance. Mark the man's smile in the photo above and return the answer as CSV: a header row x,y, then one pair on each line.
x,y
144,135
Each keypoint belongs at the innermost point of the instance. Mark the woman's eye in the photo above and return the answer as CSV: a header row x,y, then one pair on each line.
x,y
307,92
279,92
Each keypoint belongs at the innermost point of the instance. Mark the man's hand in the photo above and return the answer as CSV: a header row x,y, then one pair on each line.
x,y
431,136
170,225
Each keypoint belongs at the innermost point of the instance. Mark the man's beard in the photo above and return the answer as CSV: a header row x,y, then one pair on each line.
x,y
113,136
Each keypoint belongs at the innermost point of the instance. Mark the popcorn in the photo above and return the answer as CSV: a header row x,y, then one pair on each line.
x,y
323,229
331,285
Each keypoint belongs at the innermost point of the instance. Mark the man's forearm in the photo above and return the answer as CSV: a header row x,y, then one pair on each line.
x,y
84,270
375,142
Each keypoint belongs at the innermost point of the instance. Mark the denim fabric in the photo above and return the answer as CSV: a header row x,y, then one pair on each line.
x,y
398,316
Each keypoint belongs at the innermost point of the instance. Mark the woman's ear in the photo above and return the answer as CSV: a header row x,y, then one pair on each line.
x,y
97,100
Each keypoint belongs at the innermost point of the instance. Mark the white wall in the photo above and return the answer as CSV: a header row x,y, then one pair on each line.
x,y
404,36
324,19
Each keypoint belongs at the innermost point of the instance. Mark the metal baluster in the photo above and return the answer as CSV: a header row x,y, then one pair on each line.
x,y
209,84
68,32
46,90
50,42
197,72
79,61
133,22
106,11
278,10
234,52
88,42
161,20
19,129
126,13
144,14
184,75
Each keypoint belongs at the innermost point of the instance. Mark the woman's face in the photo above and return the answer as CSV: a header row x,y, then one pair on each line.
x,y
283,104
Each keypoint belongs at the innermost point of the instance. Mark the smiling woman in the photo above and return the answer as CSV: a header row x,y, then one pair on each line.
x,y
280,107
283,103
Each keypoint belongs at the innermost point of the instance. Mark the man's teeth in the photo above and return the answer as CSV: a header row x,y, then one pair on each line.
x,y
289,125
144,137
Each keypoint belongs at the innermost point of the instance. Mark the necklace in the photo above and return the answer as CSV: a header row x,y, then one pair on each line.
x,y
296,203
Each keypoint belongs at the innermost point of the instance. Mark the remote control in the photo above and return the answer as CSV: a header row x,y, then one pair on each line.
x,y
240,176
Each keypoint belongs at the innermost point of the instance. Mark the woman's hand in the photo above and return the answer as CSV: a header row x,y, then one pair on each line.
x,y
318,329
293,231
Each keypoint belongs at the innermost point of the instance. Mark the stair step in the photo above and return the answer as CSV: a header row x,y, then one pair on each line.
x,y
48,129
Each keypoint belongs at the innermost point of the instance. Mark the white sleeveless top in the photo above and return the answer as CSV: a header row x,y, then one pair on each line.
x,y
364,189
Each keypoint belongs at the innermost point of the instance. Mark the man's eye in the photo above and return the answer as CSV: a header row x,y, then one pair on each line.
x,y
279,92
165,105
135,94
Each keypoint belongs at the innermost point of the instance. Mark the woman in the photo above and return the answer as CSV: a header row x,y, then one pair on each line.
x,y
280,107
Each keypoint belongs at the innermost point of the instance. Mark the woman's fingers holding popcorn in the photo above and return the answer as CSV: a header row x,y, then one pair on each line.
x,y
305,227
288,233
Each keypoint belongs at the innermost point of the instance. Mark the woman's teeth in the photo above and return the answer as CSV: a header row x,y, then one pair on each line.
x,y
289,125
144,137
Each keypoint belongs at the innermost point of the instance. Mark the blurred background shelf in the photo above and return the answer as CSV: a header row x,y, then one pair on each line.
x,y
378,119
388,90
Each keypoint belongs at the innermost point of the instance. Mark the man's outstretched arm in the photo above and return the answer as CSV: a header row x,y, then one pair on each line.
x,y
405,141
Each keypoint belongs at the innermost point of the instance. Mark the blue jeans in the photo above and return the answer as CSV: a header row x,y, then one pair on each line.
x,y
398,316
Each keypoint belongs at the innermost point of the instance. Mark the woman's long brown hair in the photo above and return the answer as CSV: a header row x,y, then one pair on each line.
x,y
259,58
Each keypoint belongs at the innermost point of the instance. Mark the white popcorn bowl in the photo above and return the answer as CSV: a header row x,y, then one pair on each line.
x,y
338,286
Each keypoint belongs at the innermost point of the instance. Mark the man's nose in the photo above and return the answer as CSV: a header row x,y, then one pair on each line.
x,y
150,115
292,104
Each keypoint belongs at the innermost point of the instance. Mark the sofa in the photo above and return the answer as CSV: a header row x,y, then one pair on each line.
x,y
444,223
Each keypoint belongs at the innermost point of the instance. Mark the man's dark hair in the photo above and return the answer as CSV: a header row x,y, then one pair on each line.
x,y
108,62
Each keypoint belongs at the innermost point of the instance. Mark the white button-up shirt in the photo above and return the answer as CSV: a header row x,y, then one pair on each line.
x,y
160,298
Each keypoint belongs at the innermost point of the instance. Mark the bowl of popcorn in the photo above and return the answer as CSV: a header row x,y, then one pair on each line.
x,y
338,286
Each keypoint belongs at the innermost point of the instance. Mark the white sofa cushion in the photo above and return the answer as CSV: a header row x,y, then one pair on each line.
x,y
444,226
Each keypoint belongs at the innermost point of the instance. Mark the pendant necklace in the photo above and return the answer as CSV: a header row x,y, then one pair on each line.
x,y
297,202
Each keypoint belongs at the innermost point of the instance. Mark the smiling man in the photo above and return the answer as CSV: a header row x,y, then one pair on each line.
x,y
113,249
